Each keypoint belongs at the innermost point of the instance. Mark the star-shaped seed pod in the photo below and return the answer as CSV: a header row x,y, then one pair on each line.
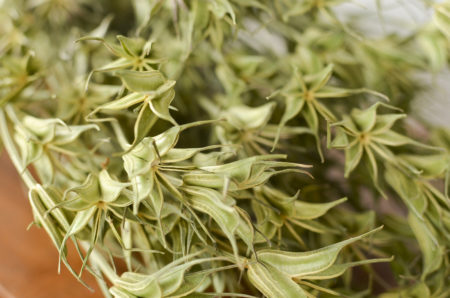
x,y
13,31
275,209
15,75
302,94
57,12
41,140
248,127
216,18
99,197
131,53
365,133
75,104
254,70
213,20
244,127
150,92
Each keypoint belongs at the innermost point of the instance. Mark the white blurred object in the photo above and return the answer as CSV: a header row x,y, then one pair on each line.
x,y
433,105
381,17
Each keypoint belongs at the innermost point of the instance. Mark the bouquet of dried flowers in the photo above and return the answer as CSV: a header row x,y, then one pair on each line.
x,y
230,148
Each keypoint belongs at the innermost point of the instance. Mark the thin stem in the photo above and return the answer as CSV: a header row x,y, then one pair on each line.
x,y
12,152
96,258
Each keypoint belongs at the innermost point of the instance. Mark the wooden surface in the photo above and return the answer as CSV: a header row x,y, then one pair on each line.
x,y
28,259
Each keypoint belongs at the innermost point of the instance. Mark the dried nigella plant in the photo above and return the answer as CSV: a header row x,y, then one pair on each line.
x,y
230,148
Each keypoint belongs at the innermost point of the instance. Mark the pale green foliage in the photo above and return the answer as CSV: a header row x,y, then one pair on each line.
x,y
228,147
